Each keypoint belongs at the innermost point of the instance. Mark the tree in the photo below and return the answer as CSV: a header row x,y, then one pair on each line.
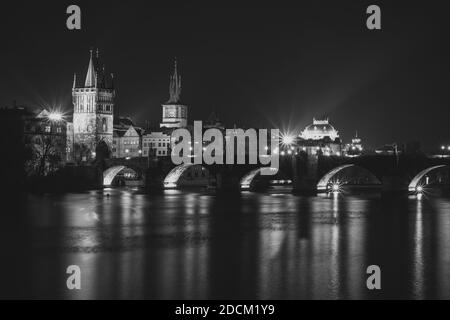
x,y
45,154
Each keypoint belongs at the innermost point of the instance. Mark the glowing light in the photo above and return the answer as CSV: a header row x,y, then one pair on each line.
x,y
442,147
170,185
335,187
419,189
288,140
94,154
55,116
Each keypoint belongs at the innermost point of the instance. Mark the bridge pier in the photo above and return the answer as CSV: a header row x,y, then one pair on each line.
x,y
304,169
227,181
394,184
155,174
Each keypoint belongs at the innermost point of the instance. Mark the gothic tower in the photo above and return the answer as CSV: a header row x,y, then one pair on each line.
x,y
93,109
174,112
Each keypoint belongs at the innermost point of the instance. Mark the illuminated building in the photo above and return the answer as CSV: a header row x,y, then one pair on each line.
x,y
355,148
319,130
93,107
156,144
126,139
175,113
320,137
46,134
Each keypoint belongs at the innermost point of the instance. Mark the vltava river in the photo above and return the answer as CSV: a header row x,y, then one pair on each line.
x,y
198,245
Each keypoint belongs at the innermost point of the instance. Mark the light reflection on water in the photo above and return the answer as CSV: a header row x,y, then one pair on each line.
x,y
187,245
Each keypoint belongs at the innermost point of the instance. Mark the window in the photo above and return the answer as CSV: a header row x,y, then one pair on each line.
x,y
104,125
47,129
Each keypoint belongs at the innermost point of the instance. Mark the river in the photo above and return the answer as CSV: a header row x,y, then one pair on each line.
x,y
199,245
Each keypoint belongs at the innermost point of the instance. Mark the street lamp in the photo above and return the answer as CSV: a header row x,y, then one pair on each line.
x,y
288,140
55,116
335,187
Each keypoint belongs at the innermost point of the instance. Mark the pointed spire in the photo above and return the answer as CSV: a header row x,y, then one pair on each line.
x,y
112,80
90,76
175,69
175,85
103,78
74,80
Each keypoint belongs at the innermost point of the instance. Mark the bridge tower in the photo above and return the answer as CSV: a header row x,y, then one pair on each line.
x,y
93,110
175,113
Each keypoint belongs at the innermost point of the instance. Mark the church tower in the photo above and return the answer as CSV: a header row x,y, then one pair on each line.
x,y
174,111
93,109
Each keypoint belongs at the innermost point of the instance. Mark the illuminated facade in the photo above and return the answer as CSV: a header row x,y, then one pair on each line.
x,y
156,144
126,138
320,137
47,139
354,149
93,110
174,113
126,143
319,130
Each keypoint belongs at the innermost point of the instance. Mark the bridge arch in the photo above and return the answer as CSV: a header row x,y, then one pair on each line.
x,y
180,176
347,174
246,181
111,173
417,180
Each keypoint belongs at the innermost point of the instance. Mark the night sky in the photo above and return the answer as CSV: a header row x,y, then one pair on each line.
x,y
254,64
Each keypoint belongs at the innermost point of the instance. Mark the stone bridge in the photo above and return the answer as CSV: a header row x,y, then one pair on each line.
x,y
307,175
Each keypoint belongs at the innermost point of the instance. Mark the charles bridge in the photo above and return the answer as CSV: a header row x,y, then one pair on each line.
x,y
307,174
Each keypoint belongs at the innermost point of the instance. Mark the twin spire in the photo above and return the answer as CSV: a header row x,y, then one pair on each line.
x,y
95,78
